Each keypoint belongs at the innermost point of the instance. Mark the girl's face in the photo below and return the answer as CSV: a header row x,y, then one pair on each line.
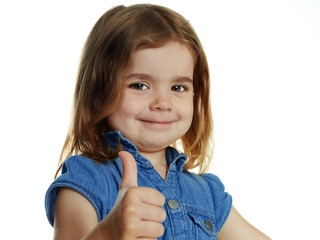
x,y
157,108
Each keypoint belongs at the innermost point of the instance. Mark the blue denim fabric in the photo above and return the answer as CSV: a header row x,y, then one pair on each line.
x,y
201,205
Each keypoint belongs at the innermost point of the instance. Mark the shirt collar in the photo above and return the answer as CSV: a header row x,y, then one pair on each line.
x,y
174,159
115,137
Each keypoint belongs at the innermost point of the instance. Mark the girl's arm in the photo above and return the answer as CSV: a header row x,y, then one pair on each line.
x,y
237,228
75,217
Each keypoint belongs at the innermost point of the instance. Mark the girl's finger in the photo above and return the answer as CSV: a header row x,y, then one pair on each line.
x,y
152,213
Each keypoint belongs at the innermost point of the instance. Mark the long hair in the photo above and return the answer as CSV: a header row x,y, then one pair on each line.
x,y
106,55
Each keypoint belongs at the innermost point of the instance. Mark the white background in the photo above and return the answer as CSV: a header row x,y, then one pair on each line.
x,y
264,58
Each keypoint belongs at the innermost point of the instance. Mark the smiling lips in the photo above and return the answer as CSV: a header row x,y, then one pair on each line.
x,y
160,124
156,122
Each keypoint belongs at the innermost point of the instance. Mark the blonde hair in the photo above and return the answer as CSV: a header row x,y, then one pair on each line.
x,y
107,54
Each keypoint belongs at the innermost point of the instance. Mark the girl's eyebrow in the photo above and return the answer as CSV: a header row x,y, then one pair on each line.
x,y
143,76
138,76
184,79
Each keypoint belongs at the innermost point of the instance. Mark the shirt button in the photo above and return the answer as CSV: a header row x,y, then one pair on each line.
x,y
173,204
208,224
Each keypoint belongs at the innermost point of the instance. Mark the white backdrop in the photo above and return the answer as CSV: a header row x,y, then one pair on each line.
x,y
264,58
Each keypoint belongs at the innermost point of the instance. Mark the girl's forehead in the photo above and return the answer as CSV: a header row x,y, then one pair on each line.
x,y
173,56
168,48
166,42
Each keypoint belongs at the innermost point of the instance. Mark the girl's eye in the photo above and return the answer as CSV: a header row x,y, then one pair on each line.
x,y
138,86
178,88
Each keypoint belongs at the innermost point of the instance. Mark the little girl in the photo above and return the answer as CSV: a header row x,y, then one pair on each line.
x,y
142,89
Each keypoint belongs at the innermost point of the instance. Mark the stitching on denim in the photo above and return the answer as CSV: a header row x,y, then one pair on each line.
x,y
183,213
194,230
170,221
201,211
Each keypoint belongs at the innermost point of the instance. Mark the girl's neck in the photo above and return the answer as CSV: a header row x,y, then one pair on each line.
x,y
158,160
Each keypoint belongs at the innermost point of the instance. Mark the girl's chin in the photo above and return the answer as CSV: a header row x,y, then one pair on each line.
x,y
154,146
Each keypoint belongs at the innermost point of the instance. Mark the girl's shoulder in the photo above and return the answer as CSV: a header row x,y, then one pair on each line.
x,y
79,166
88,172
208,179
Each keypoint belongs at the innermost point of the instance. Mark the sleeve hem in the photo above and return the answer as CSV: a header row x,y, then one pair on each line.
x,y
224,219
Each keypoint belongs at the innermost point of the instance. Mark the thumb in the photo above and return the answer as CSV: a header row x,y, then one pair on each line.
x,y
129,172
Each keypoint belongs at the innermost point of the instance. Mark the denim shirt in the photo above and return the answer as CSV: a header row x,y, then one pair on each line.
x,y
197,206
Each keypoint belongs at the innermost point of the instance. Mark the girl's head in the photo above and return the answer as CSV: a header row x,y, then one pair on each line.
x,y
106,57
157,107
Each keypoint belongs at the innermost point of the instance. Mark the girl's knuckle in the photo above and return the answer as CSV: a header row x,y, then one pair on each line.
x,y
130,210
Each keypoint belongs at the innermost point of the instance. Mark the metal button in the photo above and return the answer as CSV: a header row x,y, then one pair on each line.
x,y
208,224
173,204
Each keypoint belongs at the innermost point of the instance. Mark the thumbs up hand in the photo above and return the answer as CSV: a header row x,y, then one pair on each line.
x,y
137,212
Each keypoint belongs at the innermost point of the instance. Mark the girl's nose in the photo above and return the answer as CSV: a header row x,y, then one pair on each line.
x,y
161,102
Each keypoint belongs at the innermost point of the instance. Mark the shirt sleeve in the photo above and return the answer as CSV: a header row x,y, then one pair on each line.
x,y
82,175
222,200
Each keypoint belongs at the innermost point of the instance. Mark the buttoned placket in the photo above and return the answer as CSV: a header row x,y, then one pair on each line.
x,y
176,217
